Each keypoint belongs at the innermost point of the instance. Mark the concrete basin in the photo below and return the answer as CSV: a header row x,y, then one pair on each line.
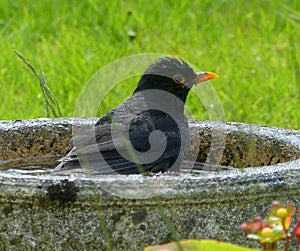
x,y
40,211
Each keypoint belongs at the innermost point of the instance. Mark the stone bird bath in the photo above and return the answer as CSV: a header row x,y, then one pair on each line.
x,y
40,211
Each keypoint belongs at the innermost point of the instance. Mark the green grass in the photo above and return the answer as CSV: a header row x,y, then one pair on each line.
x,y
252,45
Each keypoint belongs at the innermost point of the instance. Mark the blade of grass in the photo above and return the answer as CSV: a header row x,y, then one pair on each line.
x,y
51,103
295,61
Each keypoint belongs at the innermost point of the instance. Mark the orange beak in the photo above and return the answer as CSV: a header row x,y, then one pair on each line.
x,y
204,76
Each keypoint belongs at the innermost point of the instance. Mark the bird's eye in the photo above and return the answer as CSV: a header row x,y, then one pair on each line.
x,y
178,78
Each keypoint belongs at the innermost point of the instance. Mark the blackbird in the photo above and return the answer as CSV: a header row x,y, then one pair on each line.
x,y
148,132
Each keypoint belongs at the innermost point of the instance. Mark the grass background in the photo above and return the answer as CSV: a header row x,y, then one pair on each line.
x,y
252,45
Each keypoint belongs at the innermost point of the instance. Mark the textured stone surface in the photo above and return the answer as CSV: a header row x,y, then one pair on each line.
x,y
46,212
37,142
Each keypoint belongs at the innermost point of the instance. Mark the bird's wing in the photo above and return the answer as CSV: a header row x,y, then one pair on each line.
x,y
96,151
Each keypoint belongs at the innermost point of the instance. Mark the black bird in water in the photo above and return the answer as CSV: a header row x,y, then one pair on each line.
x,y
146,133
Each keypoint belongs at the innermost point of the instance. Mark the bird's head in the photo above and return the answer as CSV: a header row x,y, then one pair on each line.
x,y
173,75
